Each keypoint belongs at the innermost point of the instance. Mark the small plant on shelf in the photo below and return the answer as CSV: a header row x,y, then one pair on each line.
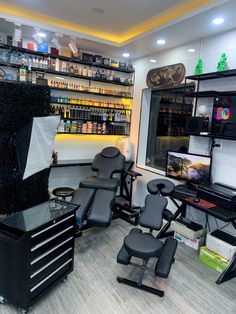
x,y
222,63
199,67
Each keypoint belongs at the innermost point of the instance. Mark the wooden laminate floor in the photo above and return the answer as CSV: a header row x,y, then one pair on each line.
x,y
92,287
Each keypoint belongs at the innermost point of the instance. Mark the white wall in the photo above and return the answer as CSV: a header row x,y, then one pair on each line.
x,y
224,168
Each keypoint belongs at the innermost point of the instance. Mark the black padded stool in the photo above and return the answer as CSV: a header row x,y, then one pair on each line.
x,y
63,192
142,245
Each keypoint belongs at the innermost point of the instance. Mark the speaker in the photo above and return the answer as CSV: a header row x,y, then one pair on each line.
x,y
194,125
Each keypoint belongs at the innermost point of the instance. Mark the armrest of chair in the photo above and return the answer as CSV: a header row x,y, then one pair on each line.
x,y
133,174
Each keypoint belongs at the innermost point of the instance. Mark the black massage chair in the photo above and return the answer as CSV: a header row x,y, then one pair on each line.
x,y
144,245
96,194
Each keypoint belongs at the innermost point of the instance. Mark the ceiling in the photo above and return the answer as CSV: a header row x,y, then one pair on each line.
x,y
110,20
118,15
123,15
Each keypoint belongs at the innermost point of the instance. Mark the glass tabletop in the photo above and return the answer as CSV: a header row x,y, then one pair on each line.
x,y
34,217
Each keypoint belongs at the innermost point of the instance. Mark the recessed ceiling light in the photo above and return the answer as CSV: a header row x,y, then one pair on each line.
x,y
218,21
191,50
126,55
42,34
161,42
153,60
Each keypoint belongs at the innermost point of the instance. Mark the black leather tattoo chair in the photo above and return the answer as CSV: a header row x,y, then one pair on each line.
x,y
144,245
96,194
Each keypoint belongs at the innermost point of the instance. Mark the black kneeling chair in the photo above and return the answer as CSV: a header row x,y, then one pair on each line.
x,y
96,194
144,245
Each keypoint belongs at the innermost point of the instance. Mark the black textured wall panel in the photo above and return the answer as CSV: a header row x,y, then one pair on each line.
x,y
20,102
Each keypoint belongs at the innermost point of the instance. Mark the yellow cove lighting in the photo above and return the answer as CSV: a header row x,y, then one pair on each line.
x,y
87,138
166,16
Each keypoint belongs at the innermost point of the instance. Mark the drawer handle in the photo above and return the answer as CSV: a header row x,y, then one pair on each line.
x,y
50,239
52,226
50,251
49,276
50,263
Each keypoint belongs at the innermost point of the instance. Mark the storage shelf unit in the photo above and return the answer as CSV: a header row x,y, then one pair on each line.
x,y
74,60
37,251
95,120
117,94
89,106
210,94
49,71
212,75
90,93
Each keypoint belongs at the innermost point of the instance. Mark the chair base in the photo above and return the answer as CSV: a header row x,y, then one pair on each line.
x,y
135,284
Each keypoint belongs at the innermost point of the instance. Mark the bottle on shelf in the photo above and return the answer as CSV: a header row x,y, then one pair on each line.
x,y
57,65
29,74
49,63
98,74
53,65
85,71
90,72
72,70
22,73
40,63
80,72
30,61
94,73
103,75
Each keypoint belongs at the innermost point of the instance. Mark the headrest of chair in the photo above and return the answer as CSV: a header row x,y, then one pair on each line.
x,y
162,186
110,152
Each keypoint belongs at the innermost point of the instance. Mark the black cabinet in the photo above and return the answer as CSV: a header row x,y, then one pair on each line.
x,y
37,250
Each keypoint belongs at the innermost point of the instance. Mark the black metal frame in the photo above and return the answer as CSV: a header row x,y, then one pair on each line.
x,y
230,271
138,284
122,209
181,210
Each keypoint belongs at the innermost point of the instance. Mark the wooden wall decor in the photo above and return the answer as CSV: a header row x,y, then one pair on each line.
x,y
166,76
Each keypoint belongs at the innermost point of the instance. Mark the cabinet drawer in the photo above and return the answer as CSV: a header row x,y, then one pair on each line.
x,y
52,229
45,283
48,244
51,266
50,254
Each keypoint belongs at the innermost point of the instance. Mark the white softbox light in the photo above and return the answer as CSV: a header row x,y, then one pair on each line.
x,y
34,144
